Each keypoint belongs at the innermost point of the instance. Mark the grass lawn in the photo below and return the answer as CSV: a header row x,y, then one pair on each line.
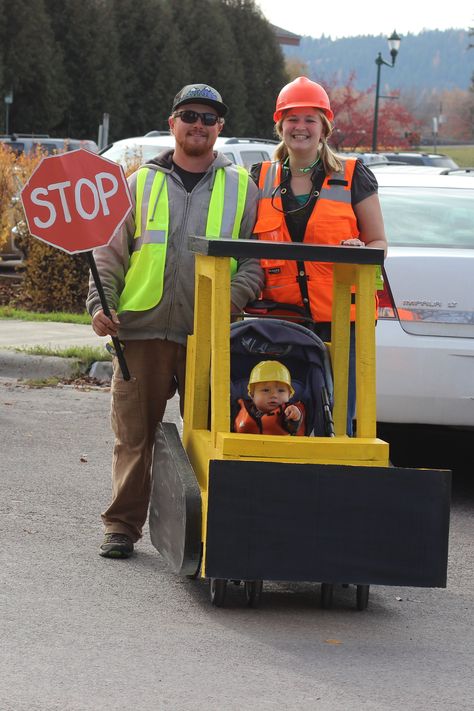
x,y
86,355
463,155
8,312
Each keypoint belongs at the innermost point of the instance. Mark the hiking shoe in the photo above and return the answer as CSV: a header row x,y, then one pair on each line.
x,y
116,545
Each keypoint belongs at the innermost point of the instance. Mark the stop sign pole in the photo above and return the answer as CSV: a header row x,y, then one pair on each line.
x,y
103,300
76,202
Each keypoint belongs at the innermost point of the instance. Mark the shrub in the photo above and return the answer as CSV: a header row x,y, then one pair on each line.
x,y
52,279
8,192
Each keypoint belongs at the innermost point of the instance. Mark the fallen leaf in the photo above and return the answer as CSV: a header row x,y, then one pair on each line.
x,y
333,641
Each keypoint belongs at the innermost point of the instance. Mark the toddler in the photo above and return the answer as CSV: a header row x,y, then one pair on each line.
x,y
267,411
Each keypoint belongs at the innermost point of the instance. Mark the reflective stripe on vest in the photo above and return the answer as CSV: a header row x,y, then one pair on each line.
x,y
333,186
233,193
145,276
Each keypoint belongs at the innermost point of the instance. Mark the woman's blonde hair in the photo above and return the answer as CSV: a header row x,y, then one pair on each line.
x,y
331,162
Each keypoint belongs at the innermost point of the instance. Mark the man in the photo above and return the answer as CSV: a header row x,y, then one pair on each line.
x,y
148,278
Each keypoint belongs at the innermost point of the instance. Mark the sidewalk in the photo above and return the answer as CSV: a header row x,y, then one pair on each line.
x,y
15,333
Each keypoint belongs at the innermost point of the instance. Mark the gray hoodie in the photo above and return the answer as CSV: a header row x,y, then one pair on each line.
x,y
172,317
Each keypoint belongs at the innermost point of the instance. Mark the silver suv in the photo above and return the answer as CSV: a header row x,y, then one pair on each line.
x,y
242,151
438,160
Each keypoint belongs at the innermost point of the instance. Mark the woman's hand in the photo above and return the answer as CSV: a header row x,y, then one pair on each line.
x,y
353,242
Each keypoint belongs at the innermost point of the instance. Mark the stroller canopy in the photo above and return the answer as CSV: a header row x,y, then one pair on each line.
x,y
302,351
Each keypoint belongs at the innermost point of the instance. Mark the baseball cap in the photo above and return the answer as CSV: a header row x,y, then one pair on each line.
x,y
200,94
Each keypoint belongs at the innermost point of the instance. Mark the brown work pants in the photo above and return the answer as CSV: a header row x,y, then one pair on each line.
x,y
138,405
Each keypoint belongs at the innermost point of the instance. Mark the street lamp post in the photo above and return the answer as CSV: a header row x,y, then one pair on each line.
x,y
394,45
8,102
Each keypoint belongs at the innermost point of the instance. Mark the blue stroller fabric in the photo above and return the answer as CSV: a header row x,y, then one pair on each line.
x,y
302,351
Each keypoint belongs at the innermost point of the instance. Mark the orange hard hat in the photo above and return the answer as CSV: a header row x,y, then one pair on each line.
x,y
302,92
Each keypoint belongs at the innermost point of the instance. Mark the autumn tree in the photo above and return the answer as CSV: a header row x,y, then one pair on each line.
x,y
453,109
295,67
351,115
397,127
354,116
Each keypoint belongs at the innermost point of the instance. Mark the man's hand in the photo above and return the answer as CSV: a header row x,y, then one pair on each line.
x,y
105,326
234,313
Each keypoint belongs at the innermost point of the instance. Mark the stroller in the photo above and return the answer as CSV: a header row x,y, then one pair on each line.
x,y
304,354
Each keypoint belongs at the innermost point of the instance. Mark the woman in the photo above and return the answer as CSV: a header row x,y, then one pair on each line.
x,y
309,194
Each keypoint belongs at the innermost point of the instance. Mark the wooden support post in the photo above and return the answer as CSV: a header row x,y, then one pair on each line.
x,y
340,342
365,352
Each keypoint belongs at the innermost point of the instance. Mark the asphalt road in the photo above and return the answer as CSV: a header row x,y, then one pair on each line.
x,y
78,632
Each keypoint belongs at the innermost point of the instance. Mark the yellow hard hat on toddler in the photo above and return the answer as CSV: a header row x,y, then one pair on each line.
x,y
268,370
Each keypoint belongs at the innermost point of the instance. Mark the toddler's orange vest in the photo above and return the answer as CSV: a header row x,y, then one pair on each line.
x,y
331,221
271,423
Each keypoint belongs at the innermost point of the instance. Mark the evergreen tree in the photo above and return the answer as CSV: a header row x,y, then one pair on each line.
x,y
33,67
86,31
262,64
3,88
173,67
214,55
154,60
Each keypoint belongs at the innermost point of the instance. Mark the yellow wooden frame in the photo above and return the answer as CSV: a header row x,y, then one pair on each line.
x,y
207,434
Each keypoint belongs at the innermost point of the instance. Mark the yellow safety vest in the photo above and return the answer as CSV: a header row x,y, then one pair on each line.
x,y
144,279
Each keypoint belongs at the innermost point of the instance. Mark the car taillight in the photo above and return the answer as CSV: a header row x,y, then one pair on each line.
x,y
386,307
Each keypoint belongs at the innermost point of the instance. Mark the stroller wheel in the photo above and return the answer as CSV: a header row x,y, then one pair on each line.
x,y
253,592
217,590
362,596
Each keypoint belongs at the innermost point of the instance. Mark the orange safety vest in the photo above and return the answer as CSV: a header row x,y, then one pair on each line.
x,y
331,221
272,423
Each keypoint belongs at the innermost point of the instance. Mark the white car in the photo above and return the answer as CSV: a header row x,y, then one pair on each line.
x,y
425,338
242,151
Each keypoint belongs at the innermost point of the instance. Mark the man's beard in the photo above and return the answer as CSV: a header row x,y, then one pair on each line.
x,y
194,149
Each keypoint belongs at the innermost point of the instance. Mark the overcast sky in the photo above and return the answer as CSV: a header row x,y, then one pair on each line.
x,y
347,18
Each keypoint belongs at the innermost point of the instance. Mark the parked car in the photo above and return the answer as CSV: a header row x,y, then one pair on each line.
x,y
439,160
28,143
242,151
369,159
400,169
425,332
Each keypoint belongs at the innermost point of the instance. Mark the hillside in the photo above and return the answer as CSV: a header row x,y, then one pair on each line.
x,y
432,59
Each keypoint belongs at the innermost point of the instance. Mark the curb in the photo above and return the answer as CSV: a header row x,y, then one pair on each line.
x,y
23,366
14,364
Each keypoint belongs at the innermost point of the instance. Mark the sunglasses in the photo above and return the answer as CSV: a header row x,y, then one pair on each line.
x,y
189,116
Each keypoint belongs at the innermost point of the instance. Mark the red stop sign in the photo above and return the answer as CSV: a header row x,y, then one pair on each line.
x,y
76,201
